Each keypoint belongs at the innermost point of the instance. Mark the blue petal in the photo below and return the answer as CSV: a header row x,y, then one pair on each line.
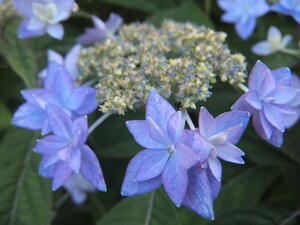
x,y
153,165
202,189
159,110
91,36
230,153
284,94
185,156
80,130
157,134
274,116
113,22
61,174
254,100
55,31
60,122
257,75
263,128
24,32
282,76
24,7
242,105
175,179
75,160
90,168
193,140
132,187
29,116
71,60
216,168
245,28
268,85
139,130
50,145
206,123
82,100
175,127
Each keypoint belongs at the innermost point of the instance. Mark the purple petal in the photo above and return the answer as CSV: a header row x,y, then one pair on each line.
x,y
291,120
228,120
262,126
157,134
159,110
282,76
263,48
175,127
268,85
50,145
65,5
206,123
61,174
132,187
193,140
216,168
231,17
185,156
253,99
274,116
139,130
71,60
29,116
46,171
257,76
82,100
59,121
40,97
283,94
75,160
245,28
54,56
63,84
98,23
113,22
230,153
55,31
242,105
175,179
261,8
80,129
24,32
202,189
52,71
91,36
153,165
24,7
90,168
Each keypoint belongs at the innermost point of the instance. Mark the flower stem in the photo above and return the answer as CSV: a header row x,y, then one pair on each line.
x,y
98,122
188,119
243,87
290,51
291,218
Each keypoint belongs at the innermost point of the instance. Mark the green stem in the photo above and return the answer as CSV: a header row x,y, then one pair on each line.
x,y
98,122
150,209
188,119
292,217
207,7
290,51
243,87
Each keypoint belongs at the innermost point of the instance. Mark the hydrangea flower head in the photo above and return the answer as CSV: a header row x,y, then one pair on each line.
x,y
223,132
268,100
166,159
43,16
69,62
288,7
101,30
59,90
78,187
65,152
275,42
244,14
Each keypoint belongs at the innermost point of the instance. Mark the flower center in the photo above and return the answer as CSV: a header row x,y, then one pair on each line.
x,y
171,149
44,12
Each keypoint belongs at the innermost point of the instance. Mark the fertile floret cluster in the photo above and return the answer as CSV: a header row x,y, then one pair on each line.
x,y
178,59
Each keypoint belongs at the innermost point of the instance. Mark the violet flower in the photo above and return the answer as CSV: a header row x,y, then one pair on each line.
x,y
288,7
166,159
43,16
292,119
65,152
59,90
244,14
268,100
101,30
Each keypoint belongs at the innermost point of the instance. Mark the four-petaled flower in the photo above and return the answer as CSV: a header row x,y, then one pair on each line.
x,y
223,133
60,90
65,152
244,14
43,16
268,100
275,42
288,7
167,157
101,30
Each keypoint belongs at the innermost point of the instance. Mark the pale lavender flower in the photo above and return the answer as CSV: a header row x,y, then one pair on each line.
x,y
268,100
59,90
101,30
244,14
166,159
223,132
78,187
275,42
288,7
65,152
292,119
43,16
69,62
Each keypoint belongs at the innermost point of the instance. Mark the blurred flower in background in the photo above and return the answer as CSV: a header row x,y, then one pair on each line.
x,y
288,7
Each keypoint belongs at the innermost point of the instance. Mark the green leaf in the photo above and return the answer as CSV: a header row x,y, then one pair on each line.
x,y
246,188
150,209
5,116
26,198
188,11
19,55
